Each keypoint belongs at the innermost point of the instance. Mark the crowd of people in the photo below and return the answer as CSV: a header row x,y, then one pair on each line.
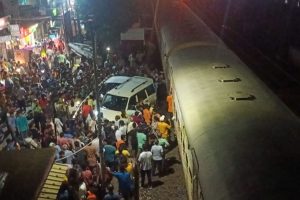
x,y
47,103
131,145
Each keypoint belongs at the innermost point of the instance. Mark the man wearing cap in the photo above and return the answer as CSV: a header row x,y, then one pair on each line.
x,y
163,127
68,154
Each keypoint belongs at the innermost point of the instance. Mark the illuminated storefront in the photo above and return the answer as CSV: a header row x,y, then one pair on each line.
x,y
27,38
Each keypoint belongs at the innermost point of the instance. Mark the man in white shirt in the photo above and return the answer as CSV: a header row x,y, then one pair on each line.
x,y
145,161
122,127
118,134
157,156
92,125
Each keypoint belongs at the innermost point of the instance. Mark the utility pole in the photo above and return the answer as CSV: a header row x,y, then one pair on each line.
x,y
96,95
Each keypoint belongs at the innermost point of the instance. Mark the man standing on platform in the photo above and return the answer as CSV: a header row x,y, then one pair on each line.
x,y
145,161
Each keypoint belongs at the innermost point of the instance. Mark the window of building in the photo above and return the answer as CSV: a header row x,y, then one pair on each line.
x,y
1,9
23,2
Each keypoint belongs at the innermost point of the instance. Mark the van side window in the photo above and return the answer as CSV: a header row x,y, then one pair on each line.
x,y
141,95
150,89
132,103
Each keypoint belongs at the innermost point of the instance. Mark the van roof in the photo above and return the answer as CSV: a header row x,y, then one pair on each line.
x,y
131,86
117,79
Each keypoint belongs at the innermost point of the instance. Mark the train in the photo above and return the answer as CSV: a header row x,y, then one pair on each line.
x,y
237,140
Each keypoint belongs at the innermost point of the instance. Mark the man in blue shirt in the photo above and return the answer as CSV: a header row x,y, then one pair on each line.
x,y
109,152
125,182
22,125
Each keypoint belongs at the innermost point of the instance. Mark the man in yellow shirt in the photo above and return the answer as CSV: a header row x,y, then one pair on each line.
x,y
163,127
91,101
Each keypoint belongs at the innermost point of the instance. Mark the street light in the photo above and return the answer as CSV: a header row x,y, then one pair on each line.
x,y
107,55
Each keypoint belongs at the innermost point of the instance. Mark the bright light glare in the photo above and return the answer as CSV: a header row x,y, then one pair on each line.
x,y
107,48
18,70
77,103
95,112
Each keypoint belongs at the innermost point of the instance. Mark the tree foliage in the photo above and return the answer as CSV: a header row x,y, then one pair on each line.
x,y
110,17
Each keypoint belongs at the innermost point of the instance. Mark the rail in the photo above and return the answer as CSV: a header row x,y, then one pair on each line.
x,y
75,152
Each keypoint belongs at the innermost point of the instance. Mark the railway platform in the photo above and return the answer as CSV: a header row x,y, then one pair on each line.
x,y
171,185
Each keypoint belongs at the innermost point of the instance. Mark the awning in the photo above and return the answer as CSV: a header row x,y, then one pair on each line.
x,y
32,19
82,49
26,172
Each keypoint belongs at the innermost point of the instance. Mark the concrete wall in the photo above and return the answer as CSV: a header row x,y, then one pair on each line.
x,y
10,7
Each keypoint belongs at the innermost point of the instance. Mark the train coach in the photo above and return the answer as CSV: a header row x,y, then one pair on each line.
x,y
237,140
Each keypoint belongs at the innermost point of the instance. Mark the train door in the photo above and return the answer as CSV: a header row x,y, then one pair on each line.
x,y
197,191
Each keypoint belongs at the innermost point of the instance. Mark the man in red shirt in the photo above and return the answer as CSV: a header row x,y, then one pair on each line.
x,y
86,109
43,102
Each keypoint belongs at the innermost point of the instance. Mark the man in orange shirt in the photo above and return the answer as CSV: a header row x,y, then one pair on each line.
x,y
170,105
147,115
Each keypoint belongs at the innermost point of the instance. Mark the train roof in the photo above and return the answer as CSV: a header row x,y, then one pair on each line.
x,y
246,141
176,22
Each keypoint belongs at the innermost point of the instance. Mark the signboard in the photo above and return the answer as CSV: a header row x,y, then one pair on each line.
x,y
4,22
22,55
15,30
3,51
5,38
133,34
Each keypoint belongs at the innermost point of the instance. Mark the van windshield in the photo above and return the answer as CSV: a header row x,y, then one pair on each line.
x,y
106,87
113,102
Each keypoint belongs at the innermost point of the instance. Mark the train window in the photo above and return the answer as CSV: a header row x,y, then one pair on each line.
x,y
200,194
181,135
177,119
191,175
186,159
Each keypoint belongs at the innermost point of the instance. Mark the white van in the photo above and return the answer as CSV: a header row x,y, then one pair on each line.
x,y
126,96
